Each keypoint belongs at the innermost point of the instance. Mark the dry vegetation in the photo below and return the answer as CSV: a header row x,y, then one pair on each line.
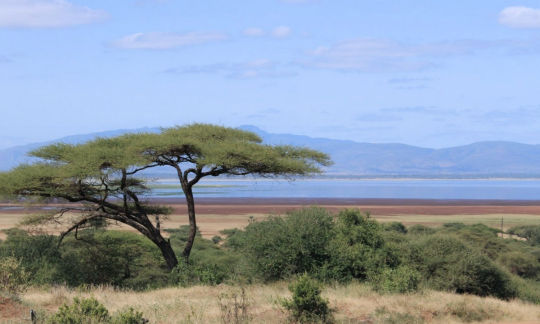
x,y
354,303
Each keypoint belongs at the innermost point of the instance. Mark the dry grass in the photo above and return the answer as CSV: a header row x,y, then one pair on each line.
x,y
355,303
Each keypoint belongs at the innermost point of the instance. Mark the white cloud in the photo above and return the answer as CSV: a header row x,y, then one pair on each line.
x,y
254,32
277,32
160,40
260,68
46,14
375,55
520,17
281,31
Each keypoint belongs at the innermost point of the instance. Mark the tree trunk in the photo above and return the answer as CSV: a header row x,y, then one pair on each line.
x,y
166,251
192,222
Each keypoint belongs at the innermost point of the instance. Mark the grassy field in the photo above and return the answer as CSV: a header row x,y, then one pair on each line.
x,y
354,303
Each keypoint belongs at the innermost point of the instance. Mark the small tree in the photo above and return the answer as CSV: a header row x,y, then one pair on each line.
x,y
306,304
13,277
100,176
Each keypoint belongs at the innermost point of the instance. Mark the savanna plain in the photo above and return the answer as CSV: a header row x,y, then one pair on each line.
x,y
233,279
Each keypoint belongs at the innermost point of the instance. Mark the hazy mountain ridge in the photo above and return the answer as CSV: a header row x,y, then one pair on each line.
x,y
495,158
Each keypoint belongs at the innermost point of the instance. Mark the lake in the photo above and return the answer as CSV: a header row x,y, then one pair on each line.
x,y
519,189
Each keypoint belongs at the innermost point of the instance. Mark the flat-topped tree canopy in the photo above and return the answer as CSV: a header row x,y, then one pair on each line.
x,y
101,173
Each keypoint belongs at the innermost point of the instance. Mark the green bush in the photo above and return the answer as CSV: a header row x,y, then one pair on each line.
x,y
420,230
529,232
13,277
192,274
81,311
38,254
112,257
447,263
96,257
357,249
522,264
306,304
128,316
395,227
282,246
399,280
90,311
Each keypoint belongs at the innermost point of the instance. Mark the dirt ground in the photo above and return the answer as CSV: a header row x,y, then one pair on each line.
x,y
216,214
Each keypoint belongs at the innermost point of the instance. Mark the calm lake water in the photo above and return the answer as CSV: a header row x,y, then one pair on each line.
x,y
400,189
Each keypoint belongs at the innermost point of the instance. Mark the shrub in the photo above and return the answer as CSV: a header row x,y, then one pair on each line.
x,y
395,227
306,304
420,230
38,254
282,246
399,280
448,264
13,277
357,248
185,274
530,233
128,316
83,311
90,311
123,259
522,264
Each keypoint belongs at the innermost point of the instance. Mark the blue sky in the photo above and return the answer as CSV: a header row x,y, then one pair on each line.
x,y
422,72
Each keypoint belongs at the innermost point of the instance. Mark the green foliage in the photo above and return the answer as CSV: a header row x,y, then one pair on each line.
x,y
420,230
357,248
38,254
112,257
448,264
209,264
522,264
306,304
13,277
395,227
81,311
282,246
529,232
96,257
201,273
401,280
527,289
90,311
128,316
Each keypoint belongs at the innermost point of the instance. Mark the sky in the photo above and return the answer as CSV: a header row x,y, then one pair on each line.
x,y
420,72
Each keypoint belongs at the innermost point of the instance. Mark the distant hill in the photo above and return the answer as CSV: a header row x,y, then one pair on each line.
x,y
482,159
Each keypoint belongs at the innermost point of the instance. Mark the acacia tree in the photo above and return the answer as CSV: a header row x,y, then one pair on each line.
x,y
100,178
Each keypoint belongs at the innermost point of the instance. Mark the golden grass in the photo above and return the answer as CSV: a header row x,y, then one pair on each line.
x,y
354,303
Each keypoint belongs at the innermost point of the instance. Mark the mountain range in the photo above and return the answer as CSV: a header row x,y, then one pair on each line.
x,y
481,159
